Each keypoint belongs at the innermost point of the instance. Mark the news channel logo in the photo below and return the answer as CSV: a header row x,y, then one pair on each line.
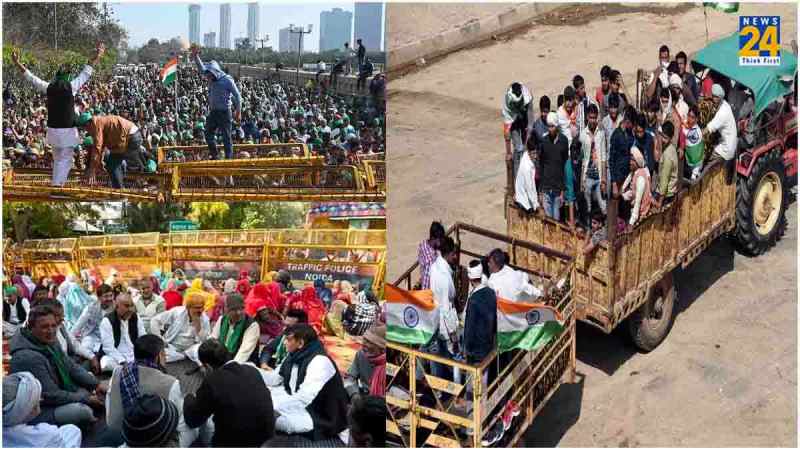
x,y
759,40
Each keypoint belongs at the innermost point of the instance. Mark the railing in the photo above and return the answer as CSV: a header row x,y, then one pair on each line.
x,y
169,156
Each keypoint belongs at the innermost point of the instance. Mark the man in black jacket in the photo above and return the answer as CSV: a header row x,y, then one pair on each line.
x,y
313,401
554,154
235,395
480,320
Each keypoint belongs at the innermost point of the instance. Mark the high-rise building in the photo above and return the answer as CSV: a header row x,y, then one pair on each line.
x,y
253,18
210,39
194,24
335,28
288,42
368,19
225,25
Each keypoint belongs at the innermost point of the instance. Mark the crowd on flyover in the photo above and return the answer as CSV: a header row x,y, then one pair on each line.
x,y
106,360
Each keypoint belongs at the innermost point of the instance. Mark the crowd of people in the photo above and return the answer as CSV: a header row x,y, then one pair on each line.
x,y
568,162
467,326
100,357
118,123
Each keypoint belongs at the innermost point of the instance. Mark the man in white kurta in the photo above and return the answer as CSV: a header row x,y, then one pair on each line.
x,y
148,304
87,328
116,354
508,283
525,185
725,123
187,328
15,311
444,292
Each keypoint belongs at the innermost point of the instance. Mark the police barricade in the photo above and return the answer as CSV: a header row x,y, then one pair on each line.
x,y
195,155
36,184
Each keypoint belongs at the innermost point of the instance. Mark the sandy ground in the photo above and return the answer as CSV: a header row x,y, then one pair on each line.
x,y
727,373
409,22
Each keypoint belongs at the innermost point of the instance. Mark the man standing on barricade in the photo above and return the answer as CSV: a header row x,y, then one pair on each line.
x,y
222,91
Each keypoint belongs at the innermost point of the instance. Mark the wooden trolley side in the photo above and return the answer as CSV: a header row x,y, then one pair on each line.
x,y
528,378
618,279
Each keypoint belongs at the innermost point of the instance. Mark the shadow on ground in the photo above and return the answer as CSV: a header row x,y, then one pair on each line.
x,y
557,417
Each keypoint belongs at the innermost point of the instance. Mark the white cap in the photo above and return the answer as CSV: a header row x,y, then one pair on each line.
x,y
717,91
552,119
675,80
475,273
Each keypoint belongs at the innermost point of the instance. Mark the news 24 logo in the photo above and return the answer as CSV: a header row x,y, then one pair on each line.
x,y
759,40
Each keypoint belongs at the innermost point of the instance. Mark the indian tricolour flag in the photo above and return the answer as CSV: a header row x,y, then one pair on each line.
x,y
411,316
526,326
728,7
169,71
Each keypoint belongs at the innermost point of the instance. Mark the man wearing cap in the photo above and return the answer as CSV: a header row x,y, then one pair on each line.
x,y
238,332
480,316
187,327
22,393
553,154
118,331
222,91
678,102
636,188
517,106
123,140
61,132
15,311
372,353
724,122
151,421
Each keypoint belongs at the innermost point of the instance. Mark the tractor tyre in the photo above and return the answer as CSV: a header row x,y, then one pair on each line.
x,y
761,201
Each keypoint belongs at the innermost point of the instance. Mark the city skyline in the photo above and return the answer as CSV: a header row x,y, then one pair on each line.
x,y
142,25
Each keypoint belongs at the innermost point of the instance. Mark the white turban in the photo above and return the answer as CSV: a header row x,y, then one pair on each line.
x,y
230,286
717,91
675,80
475,273
552,119
637,156
21,394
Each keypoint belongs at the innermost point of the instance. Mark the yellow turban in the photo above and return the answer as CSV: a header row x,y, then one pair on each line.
x,y
194,299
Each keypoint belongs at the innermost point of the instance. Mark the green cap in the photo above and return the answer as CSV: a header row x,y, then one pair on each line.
x,y
10,290
83,119
88,141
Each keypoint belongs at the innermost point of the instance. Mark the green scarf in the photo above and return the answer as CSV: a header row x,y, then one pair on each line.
x,y
231,341
56,356
280,352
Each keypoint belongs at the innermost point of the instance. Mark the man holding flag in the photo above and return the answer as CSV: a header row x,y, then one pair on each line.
x,y
222,91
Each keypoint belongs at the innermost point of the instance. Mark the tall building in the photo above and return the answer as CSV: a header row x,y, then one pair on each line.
x,y
210,39
335,28
194,24
225,25
253,18
368,19
288,42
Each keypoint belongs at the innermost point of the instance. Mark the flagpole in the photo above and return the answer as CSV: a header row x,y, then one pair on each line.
x,y
177,113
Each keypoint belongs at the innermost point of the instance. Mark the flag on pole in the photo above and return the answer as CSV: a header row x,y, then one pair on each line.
x,y
526,326
411,316
727,7
170,71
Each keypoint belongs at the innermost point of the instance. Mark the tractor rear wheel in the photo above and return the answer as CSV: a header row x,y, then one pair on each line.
x,y
761,201
650,324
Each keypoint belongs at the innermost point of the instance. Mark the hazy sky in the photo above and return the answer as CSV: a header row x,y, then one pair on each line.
x,y
167,20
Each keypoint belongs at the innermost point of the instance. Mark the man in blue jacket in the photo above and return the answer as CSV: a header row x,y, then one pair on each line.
x,y
222,91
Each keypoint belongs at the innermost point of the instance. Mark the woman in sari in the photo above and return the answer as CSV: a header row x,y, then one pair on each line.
x,y
312,305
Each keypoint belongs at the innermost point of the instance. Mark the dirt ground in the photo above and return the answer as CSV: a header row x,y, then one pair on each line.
x,y
727,374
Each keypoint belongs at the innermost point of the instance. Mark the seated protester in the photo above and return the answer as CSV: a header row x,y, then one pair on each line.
x,y
508,283
148,304
69,345
724,122
277,348
270,325
87,328
644,142
172,298
22,393
525,195
636,189
361,374
151,421
691,143
366,419
595,160
307,390
307,301
237,331
235,396
39,295
667,170
118,331
596,234
69,392
146,375
15,311
75,300
359,317
186,328
480,318
323,292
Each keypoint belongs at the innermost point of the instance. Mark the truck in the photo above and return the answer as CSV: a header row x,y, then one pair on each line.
x,y
629,279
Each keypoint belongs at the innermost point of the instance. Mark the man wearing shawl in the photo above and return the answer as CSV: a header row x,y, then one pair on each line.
x,y
87,328
187,327
147,302
237,331
361,377
69,392
636,188
308,393
15,311
508,283
22,393
145,375
277,348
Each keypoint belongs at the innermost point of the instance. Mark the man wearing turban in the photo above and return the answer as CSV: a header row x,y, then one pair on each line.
x,y
186,328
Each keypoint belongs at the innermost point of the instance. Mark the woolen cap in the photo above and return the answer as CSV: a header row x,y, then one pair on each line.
x,y
151,422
